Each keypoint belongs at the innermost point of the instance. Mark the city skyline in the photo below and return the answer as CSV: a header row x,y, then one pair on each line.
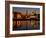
x,y
26,18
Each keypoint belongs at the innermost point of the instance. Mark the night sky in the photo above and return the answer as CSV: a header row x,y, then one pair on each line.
x,y
23,10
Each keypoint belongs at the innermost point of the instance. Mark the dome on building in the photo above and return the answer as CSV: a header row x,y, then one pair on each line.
x,y
18,15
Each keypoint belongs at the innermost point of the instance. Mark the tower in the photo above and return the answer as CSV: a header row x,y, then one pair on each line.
x,y
26,13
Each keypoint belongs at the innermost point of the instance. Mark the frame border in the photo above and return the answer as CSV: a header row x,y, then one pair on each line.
x,y
7,18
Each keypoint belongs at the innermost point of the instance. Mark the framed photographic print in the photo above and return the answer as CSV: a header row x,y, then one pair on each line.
x,y
24,18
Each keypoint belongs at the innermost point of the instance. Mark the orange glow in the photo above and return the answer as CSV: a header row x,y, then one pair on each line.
x,y
18,23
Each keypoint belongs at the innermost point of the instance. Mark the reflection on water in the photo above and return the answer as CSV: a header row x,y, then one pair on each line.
x,y
26,25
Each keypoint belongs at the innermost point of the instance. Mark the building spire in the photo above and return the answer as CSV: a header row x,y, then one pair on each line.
x,y
26,13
